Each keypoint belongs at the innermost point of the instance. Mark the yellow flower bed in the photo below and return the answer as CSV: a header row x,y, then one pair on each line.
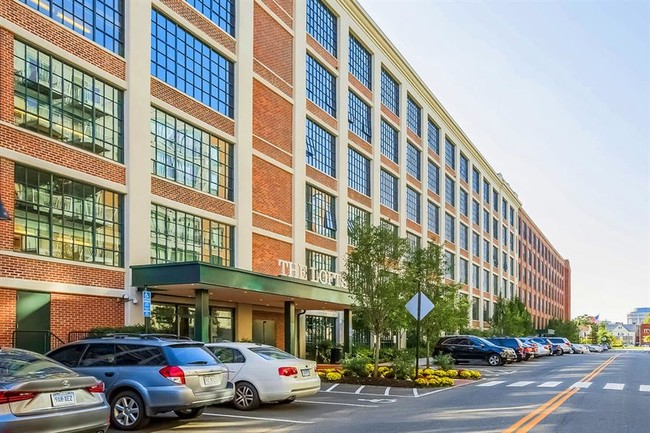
x,y
333,376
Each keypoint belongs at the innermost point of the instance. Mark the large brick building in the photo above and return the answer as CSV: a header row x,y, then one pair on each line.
x,y
212,152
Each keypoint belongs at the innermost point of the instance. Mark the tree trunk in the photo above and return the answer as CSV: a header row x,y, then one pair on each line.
x,y
428,357
376,354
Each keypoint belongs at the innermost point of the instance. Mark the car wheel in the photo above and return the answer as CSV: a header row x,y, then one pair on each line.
x,y
288,400
494,360
194,412
246,396
128,411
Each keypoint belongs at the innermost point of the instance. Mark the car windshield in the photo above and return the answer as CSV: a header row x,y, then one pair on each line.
x,y
192,354
269,353
484,341
19,366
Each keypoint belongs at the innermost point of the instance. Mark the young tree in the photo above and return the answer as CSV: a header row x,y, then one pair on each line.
x,y
425,270
373,276
647,319
511,318
567,329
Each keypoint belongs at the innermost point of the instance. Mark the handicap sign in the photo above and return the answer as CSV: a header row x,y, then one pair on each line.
x,y
425,305
146,303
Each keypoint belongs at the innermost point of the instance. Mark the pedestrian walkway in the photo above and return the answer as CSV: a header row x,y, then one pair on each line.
x,y
610,386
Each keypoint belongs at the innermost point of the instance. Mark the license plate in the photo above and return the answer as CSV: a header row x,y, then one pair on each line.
x,y
305,372
66,398
211,379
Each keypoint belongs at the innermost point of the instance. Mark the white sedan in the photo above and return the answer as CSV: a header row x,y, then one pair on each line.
x,y
265,374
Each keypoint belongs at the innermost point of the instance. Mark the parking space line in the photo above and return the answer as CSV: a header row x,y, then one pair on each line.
x,y
581,385
614,386
494,382
358,391
415,392
367,393
258,418
331,387
387,392
549,384
644,388
520,384
332,403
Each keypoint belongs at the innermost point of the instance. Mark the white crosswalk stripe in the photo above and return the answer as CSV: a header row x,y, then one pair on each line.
x,y
520,384
581,385
494,382
549,384
614,386
644,388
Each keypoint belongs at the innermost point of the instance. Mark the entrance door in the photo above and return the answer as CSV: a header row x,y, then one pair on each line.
x,y
264,332
33,321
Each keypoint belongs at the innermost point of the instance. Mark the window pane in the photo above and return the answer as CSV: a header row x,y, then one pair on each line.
x,y
359,119
321,148
389,142
220,12
321,86
413,117
358,172
389,92
321,212
360,62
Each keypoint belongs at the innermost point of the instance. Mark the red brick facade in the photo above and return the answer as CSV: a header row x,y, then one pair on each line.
x,y
7,315
79,313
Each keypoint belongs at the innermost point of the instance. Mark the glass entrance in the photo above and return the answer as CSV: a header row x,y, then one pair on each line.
x,y
178,319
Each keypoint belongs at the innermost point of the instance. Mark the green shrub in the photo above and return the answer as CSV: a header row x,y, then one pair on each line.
x,y
402,365
444,361
356,365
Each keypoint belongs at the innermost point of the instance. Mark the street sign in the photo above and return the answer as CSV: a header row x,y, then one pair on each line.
x,y
425,306
146,303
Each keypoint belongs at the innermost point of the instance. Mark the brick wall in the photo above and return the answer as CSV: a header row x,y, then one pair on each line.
x,y
272,118
7,195
41,26
272,45
181,194
81,313
7,316
272,192
6,75
267,252
283,9
279,324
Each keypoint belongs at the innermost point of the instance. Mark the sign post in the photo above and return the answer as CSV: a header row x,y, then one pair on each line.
x,y
146,310
419,306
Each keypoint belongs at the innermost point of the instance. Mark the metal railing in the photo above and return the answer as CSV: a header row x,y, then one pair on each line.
x,y
36,341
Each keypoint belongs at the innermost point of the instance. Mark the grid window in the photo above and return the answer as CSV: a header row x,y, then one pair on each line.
x,y
486,250
63,218
486,281
190,156
413,211
463,233
356,216
389,142
322,25
464,168
184,62
463,277
463,202
450,228
413,161
475,276
495,200
476,244
360,62
486,310
321,212
359,119
495,256
504,262
505,236
512,241
476,212
181,237
476,181
450,265
433,178
486,191
433,217
450,154
320,261
486,220
475,308
220,12
497,290
101,21
433,137
358,172
512,266
495,228
504,208
450,191
321,86
390,227
413,240
388,190
62,102
413,117
321,149
389,92
512,216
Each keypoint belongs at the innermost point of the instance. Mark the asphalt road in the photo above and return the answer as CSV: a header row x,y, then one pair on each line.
x,y
597,392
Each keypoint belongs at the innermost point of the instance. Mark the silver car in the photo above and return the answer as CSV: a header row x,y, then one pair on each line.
x,y
40,395
150,374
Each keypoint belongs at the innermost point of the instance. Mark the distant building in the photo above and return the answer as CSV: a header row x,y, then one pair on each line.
x,y
643,336
626,333
637,316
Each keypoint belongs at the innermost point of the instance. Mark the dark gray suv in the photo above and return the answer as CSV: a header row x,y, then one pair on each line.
x,y
150,374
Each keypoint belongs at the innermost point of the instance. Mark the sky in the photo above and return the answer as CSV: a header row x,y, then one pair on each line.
x,y
556,96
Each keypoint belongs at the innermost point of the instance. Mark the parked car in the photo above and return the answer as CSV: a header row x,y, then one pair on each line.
x,y
265,374
579,348
530,349
556,349
472,348
564,343
511,342
38,394
148,374
595,347
543,348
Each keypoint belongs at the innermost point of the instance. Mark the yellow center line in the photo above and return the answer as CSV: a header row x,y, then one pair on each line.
x,y
547,408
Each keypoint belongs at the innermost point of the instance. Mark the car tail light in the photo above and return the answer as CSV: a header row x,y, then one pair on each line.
x,y
14,396
173,373
99,388
287,371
